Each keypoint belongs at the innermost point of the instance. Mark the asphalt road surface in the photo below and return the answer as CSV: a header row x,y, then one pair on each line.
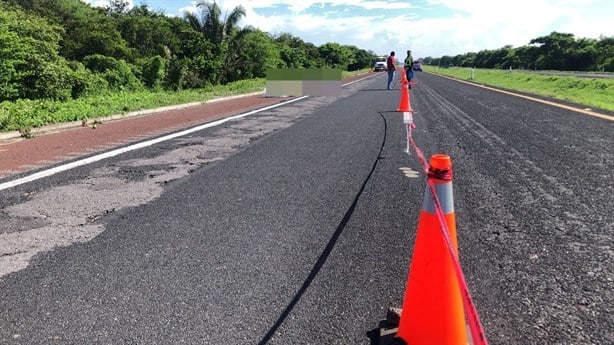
x,y
295,225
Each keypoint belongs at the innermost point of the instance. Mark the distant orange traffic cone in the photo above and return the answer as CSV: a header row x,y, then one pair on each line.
x,y
404,105
403,76
432,306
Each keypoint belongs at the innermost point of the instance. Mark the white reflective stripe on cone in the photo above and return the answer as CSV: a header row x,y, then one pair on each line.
x,y
445,196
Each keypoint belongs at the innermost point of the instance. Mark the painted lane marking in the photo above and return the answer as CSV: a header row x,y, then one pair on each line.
x,y
409,172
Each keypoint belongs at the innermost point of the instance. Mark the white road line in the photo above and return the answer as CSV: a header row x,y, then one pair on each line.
x,y
113,153
355,81
511,93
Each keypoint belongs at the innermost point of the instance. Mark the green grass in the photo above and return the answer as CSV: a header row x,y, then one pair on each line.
x,y
590,92
23,115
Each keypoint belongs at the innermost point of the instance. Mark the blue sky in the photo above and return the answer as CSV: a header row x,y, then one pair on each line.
x,y
427,27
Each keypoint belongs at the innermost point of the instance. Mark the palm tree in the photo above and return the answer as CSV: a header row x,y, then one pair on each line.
x,y
223,33
210,22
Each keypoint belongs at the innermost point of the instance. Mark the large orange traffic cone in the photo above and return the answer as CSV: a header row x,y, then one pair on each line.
x,y
404,105
432,307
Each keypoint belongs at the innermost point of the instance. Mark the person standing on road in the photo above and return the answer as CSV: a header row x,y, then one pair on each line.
x,y
390,67
409,63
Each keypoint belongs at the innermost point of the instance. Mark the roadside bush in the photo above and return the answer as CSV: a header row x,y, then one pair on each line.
x,y
153,70
176,73
118,73
5,119
23,114
608,66
48,80
30,64
85,83
198,73
188,74
100,63
122,78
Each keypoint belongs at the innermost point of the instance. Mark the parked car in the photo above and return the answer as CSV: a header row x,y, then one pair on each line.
x,y
379,67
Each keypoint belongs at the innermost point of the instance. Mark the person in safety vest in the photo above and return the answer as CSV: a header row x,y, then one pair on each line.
x,y
408,64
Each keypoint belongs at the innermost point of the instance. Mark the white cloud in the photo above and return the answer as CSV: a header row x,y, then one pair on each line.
x,y
468,29
491,25
105,3
188,9
298,7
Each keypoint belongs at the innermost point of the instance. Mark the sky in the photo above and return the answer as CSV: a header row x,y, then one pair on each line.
x,y
428,27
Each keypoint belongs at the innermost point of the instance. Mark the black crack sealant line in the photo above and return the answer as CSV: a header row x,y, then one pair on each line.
x,y
475,326
329,247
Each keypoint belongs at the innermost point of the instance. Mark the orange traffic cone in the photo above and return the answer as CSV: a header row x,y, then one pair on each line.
x,y
404,105
403,76
432,306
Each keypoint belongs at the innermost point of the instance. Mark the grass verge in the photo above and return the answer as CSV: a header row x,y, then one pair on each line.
x,y
590,92
23,115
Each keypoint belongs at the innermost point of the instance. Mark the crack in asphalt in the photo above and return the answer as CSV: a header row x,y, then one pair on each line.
x,y
329,246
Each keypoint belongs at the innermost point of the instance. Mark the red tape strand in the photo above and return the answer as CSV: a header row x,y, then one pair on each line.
x,y
475,326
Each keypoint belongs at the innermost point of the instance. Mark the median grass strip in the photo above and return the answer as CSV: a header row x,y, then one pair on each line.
x,y
590,92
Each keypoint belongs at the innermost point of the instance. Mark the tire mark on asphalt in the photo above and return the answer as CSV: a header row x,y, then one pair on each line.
x,y
551,258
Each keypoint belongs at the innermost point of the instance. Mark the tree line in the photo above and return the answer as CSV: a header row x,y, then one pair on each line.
x,y
67,49
556,51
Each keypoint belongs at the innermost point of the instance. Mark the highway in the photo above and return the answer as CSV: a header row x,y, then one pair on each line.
x,y
295,225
